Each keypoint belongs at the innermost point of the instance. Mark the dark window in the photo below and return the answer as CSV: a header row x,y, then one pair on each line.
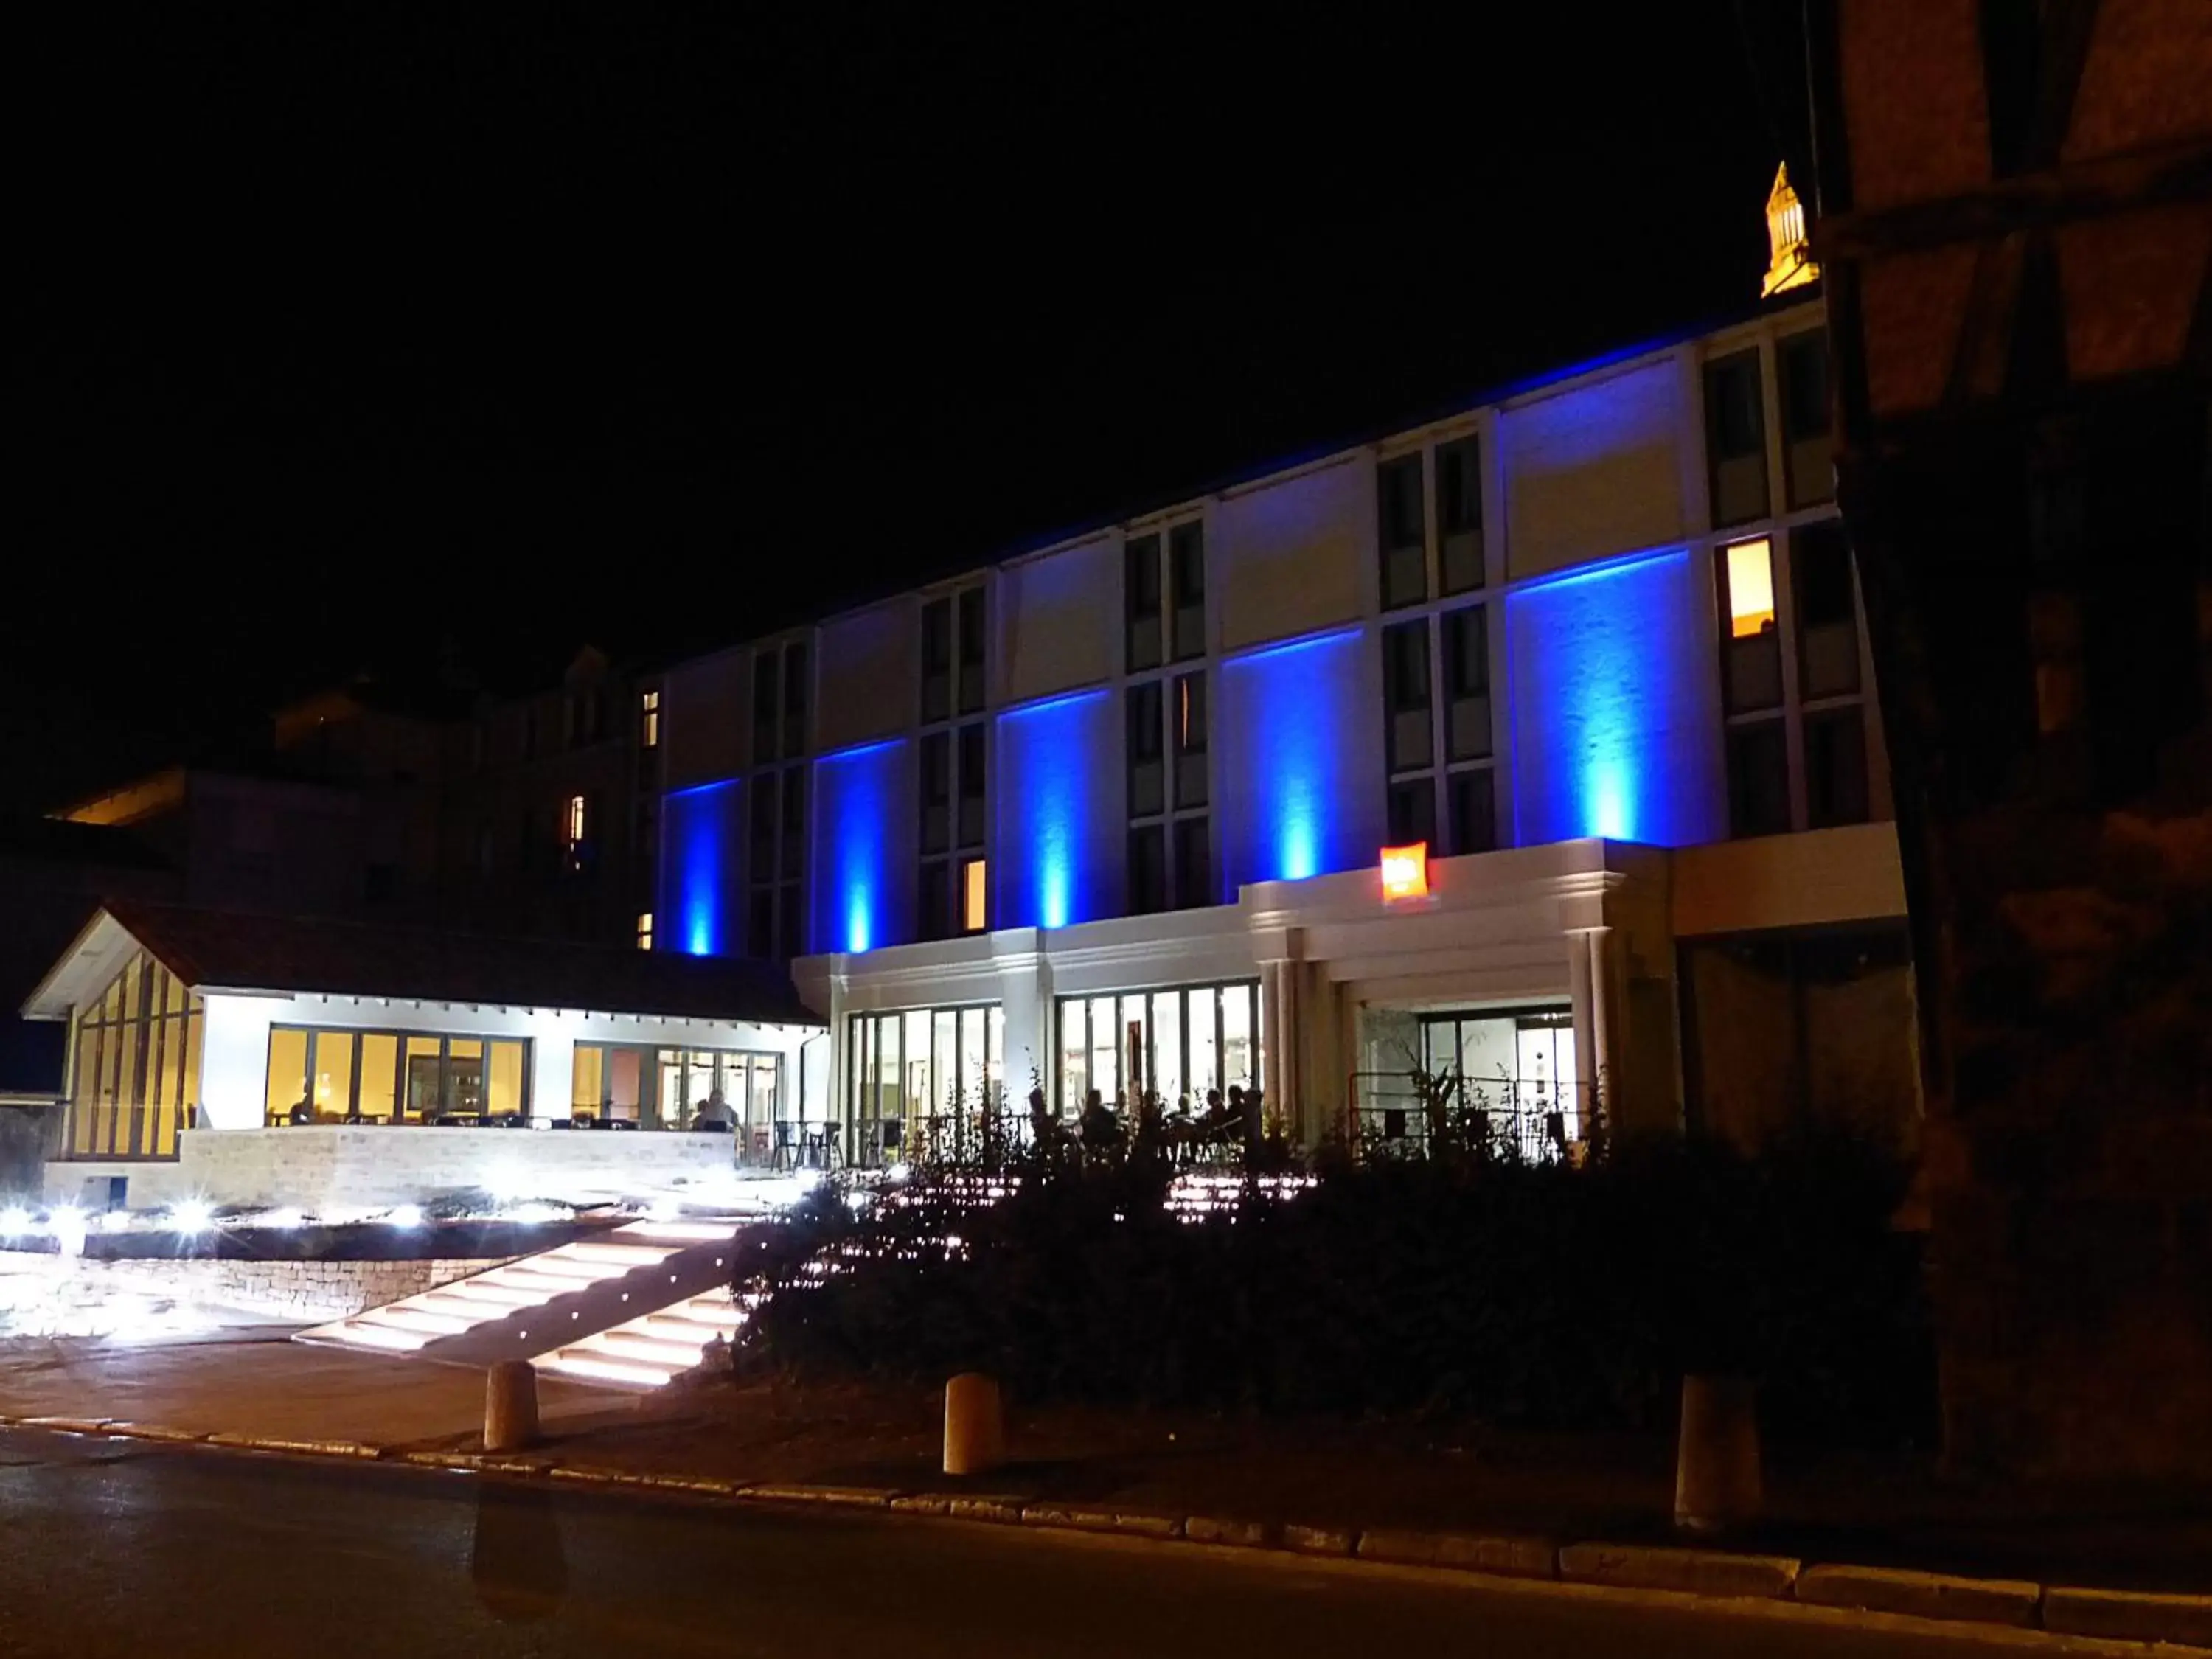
x,y
1194,864
792,940
1735,438
794,820
761,816
766,728
794,699
1475,812
936,792
1147,784
1802,359
529,732
1412,814
1759,779
934,917
1835,767
1467,684
760,923
974,785
1458,513
1141,587
937,659
1186,571
1189,713
1828,616
971,650
1405,560
1405,696
1148,869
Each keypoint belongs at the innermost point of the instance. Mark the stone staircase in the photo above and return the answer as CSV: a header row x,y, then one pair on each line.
x,y
632,1308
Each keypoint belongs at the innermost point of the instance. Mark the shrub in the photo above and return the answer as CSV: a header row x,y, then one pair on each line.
x,y
1542,1295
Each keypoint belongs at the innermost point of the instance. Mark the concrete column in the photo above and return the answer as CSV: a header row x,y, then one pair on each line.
x,y
1583,994
552,1073
1601,994
1025,992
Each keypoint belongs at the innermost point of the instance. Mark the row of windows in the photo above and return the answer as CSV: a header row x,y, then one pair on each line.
x,y
658,1088
319,1075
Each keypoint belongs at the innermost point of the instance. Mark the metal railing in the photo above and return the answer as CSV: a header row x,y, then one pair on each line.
x,y
1394,1114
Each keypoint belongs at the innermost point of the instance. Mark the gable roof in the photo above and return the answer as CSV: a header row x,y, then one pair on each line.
x,y
240,951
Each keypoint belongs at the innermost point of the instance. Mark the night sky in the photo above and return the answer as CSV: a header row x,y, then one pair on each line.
x,y
379,335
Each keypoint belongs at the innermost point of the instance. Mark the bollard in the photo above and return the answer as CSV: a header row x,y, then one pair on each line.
x,y
1716,1474
510,1406
974,1431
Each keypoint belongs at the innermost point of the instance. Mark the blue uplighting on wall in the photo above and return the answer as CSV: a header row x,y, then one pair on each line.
x,y
857,797
1048,864
1284,710
702,829
1614,731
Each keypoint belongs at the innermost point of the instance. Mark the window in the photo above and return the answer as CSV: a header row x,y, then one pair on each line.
x,y
1759,778
1148,869
1194,864
1752,650
974,785
575,839
1467,684
1735,439
1459,514
1407,736
1474,811
1140,594
1189,715
1404,537
972,644
975,896
1827,613
1412,812
1835,767
767,727
645,930
1186,584
135,1067
794,699
649,719
761,821
1806,457
923,1080
321,1075
529,731
937,792
1177,1044
936,660
661,1088
1147,780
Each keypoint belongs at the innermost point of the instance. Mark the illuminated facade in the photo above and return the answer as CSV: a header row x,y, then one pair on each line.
x,y
1594,643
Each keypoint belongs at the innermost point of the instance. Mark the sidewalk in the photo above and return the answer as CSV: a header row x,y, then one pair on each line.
x,y
1338,1479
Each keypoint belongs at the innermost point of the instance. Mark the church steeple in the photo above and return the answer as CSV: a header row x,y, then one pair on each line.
x,y
1791,265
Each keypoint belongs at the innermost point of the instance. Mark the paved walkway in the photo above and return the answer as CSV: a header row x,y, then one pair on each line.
x,y
1326,1473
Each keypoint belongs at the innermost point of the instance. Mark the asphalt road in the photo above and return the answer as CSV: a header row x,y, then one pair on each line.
x,y
113,1548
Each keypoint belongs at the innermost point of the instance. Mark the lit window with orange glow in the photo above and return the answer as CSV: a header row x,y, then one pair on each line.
x,y
1405,871
575,820
648,735
1750,589
973,887
645,930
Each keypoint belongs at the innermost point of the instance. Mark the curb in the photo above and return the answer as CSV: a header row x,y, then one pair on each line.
x,y
2182,1621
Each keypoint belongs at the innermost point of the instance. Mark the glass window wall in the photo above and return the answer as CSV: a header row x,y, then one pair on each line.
x,y
924,1080
1177,1045
135,1077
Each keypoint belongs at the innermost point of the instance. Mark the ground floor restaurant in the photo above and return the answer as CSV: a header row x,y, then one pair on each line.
x,y
248,1060
1744,985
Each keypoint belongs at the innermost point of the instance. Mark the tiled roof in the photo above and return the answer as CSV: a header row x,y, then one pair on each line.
x,y
241,951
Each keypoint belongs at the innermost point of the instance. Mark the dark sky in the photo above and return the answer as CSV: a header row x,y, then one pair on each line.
x,y
375,334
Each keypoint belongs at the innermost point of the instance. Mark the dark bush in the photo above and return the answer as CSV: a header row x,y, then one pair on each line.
x,y
1531,1294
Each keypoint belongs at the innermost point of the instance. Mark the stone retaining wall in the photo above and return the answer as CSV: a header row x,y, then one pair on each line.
x,y
303,1291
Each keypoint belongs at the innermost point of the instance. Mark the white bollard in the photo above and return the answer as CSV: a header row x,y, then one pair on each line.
x,y
1718,1483
974,1429
510,1406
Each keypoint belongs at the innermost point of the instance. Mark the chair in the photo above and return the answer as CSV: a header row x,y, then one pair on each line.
x,y
787,1149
